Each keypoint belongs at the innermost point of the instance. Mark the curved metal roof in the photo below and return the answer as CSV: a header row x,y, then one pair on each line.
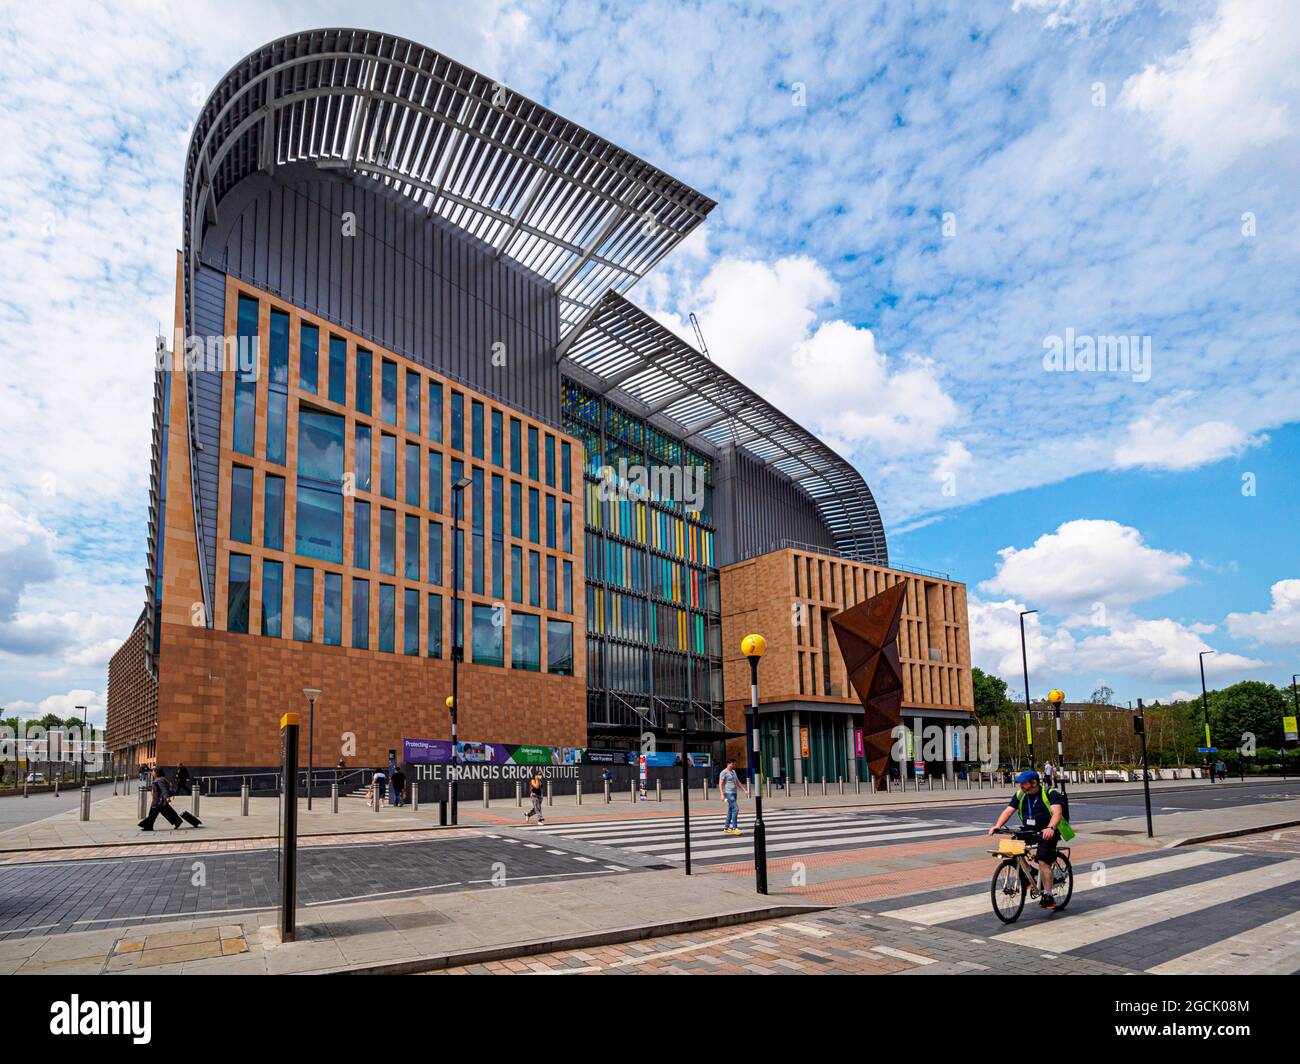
x,y
625,349
539,189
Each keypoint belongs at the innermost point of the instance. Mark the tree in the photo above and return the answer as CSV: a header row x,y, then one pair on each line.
x,y
1250,708
1103,696
990,691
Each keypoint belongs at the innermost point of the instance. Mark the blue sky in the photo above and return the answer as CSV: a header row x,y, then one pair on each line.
x,y
916,202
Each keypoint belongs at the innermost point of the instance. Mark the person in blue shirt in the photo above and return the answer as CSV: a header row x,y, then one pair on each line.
x,y
1042,812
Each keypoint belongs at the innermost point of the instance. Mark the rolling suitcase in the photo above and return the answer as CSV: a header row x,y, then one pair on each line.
x,y
191,819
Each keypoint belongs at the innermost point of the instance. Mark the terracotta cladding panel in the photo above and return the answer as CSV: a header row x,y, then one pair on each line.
x,y
132,695
759,595
223,696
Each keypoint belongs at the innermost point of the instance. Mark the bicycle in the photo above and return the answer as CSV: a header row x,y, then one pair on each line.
x,y
1017,875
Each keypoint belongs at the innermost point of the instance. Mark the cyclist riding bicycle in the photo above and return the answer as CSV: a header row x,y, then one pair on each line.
x,y
1042,811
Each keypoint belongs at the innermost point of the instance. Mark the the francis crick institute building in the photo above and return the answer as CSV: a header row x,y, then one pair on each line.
x,y
425,276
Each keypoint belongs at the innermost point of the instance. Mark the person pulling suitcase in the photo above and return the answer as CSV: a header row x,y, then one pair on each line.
x,y
161,805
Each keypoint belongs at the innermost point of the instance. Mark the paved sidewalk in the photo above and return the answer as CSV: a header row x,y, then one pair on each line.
x,y
113,823
400,935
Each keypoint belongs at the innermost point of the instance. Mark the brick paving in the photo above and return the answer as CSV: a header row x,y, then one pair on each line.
x,y
847,941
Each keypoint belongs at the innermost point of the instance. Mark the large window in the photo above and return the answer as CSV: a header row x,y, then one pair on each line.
x,y
361,459
497,458
241,504
272,597
413,402
566,467
525,642
320,447
411,547
476,428
551,603
361,614
435,411
435,626
550,521
388,466
498,537
534,518
308,357
559,647
237,593
388,392
387,541
516,509
277,382
319,531
411,622
246,383
273,513
386,619
435,552
534,578
488,635
413,474
516,450
435,481
476,517
361,534
517,574
567,605
338,370
566,526
550,460
365,380
457,421
333,628
302,604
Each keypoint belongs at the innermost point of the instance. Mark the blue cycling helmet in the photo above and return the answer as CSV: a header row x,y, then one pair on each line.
x,y
1028,776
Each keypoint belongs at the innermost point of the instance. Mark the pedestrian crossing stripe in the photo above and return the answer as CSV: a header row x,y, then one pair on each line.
x,y
662,838
1269,949
1122,917
942,912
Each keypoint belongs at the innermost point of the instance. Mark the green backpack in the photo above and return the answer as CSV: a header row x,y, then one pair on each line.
x,y
1067,832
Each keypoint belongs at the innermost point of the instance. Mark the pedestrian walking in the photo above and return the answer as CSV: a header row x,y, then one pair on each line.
x,y
161,805
1221,769
399,785
535,796
728,782
378,784
1049,772
182,779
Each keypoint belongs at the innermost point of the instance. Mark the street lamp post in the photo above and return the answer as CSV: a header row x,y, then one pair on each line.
x,y
753,647
1056,696
457,633
1024,660
1205,708
687,717
81,711
312,694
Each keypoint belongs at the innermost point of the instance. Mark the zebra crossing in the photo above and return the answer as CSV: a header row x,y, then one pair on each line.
x,y
788,833
1192,911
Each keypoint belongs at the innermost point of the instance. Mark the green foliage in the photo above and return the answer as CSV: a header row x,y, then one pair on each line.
x,y
1251,707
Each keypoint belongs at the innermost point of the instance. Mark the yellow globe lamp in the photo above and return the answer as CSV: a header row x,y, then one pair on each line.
x,y
1056,696
450,701
753,646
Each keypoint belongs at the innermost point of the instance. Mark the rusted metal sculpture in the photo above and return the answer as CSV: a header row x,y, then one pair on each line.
x,y
868,637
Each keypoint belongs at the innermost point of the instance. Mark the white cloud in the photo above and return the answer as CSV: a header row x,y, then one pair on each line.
x,y
1086,562
1146,650
760,321
1278,626
1166,437
1230,90
63,706
1080,15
